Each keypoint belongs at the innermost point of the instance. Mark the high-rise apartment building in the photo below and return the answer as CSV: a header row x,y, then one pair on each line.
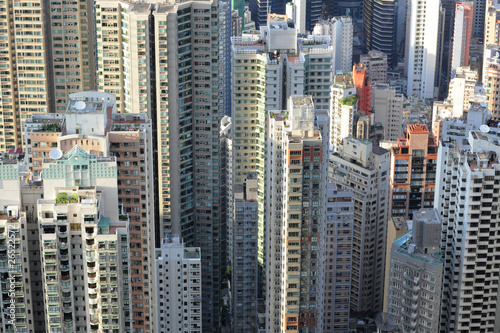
x,y
380,27
492,79
464,12
268,67
422,47
178,86
178,284
387,107
25,87
84,245
364,169
338,259
297,154
225,28
48,53
467,200
244,261
413,172
415,275
340,30
91,123
491,32
344,109
376,64
17,296
72,67
461,88
226,182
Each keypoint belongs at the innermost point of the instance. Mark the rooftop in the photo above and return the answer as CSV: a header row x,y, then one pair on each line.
x,y
405,242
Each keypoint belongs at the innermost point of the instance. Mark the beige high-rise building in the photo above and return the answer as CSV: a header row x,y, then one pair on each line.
x,y
92,123
47,52
71,44
296,206
363,168
23,68
84,246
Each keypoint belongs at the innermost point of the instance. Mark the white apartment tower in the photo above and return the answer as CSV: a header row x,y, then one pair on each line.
x,y
84,246
16,297
178,284
295,229
364,169
415,275
466,199
421,47
344,109
461,88
340,30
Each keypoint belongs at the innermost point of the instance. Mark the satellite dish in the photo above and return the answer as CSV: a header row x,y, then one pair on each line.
x,y
80,105
484,128
55,154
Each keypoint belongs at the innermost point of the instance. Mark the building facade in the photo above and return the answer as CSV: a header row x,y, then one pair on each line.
x,y
413,172
380,27
178,284
340,30
462,35
376,64
422,47
364,169
338,259
295,276
387,109
415,275
466,201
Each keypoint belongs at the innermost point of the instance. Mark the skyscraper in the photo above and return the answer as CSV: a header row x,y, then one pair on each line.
x,y
387,110
84,245
178,86
338,259
376,64
306,13
178,284
260,9
422,47
48,53
461,36
295,278
340,30
413,172
466,199
25,87
17,296
72,68
379,27
91,123
364,169
415,274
